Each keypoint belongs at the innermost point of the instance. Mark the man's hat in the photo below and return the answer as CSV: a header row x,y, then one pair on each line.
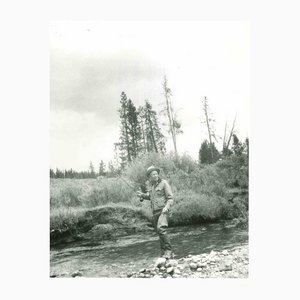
x,y
151,169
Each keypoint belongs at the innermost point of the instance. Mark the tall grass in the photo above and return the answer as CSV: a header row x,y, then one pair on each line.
x,y
89,192
201,193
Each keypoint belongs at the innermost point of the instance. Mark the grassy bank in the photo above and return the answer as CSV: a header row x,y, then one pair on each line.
x,y
204,193
101,222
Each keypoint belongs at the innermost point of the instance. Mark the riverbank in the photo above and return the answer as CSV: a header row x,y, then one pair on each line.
x,y
101,223
227,263
231,263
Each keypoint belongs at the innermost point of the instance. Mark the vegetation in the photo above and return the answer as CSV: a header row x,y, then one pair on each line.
x,y
213,188
202,193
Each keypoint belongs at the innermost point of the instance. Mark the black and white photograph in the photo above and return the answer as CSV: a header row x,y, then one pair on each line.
x,y
149,149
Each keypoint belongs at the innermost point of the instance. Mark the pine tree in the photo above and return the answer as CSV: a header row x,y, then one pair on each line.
x,y
155,140
208,153
130,144
59,173
134,130
124,145
101,168
92,171
237,147
52,174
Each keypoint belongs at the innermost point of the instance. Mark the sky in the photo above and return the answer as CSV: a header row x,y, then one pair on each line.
x,y
91,63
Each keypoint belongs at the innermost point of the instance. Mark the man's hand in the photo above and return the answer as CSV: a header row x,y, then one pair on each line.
x,y
139,194
165,210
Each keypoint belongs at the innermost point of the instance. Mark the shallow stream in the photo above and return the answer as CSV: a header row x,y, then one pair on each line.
x,y
132,253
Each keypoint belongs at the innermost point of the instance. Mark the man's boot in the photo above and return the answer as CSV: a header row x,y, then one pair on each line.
x,y
168,253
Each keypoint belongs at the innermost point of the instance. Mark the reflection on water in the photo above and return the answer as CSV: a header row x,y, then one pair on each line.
x,y
130,253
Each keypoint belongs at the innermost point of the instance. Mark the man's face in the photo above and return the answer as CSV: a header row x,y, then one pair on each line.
x,y
154,176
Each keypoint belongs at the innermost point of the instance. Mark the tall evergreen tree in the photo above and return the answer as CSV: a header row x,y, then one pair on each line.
x,y
92,171
59,173
208,153
155,140
52,174
124,145
130,144
101,168
237,146
134,130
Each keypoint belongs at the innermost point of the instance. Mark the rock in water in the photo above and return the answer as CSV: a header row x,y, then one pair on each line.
x,y
76,274
195,259
225,252
160,262
193,266
201,264
171,263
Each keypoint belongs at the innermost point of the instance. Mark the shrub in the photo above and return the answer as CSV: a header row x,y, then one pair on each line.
x,y
190,207
68,192
136,171
110,190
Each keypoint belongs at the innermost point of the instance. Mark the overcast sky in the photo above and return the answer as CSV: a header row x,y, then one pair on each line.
x,y
91,63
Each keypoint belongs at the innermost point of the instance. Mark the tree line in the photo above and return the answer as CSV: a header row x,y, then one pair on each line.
x,y
141,132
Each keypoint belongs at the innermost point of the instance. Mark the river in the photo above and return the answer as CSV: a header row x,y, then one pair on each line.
x,y
134,252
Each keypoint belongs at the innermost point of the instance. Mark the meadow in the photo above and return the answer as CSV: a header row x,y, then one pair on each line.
x,y
202,193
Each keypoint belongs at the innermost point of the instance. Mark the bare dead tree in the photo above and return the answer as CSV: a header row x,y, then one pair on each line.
x,y
224,138
174,124
209,124
231,133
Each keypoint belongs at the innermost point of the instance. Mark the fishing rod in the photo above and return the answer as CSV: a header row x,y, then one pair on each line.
x,y
131,186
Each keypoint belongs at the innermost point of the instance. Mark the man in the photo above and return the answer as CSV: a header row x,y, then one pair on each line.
x,y
161,197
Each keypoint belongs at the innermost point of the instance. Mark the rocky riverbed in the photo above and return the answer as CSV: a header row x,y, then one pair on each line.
x,y
232,263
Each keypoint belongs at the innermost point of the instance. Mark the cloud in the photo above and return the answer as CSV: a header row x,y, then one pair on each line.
x,y
92,83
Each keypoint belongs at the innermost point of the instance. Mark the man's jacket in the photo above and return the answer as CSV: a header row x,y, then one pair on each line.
x,y
160,195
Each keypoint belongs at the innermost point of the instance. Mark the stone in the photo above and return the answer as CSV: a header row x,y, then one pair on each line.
x,y
171,263
225,252
226,266
170,270
201,264
160,262
76,274
193,266
177,271
142,270
195,259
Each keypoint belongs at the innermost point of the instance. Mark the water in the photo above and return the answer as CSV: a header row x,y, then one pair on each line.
x,y
134,252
